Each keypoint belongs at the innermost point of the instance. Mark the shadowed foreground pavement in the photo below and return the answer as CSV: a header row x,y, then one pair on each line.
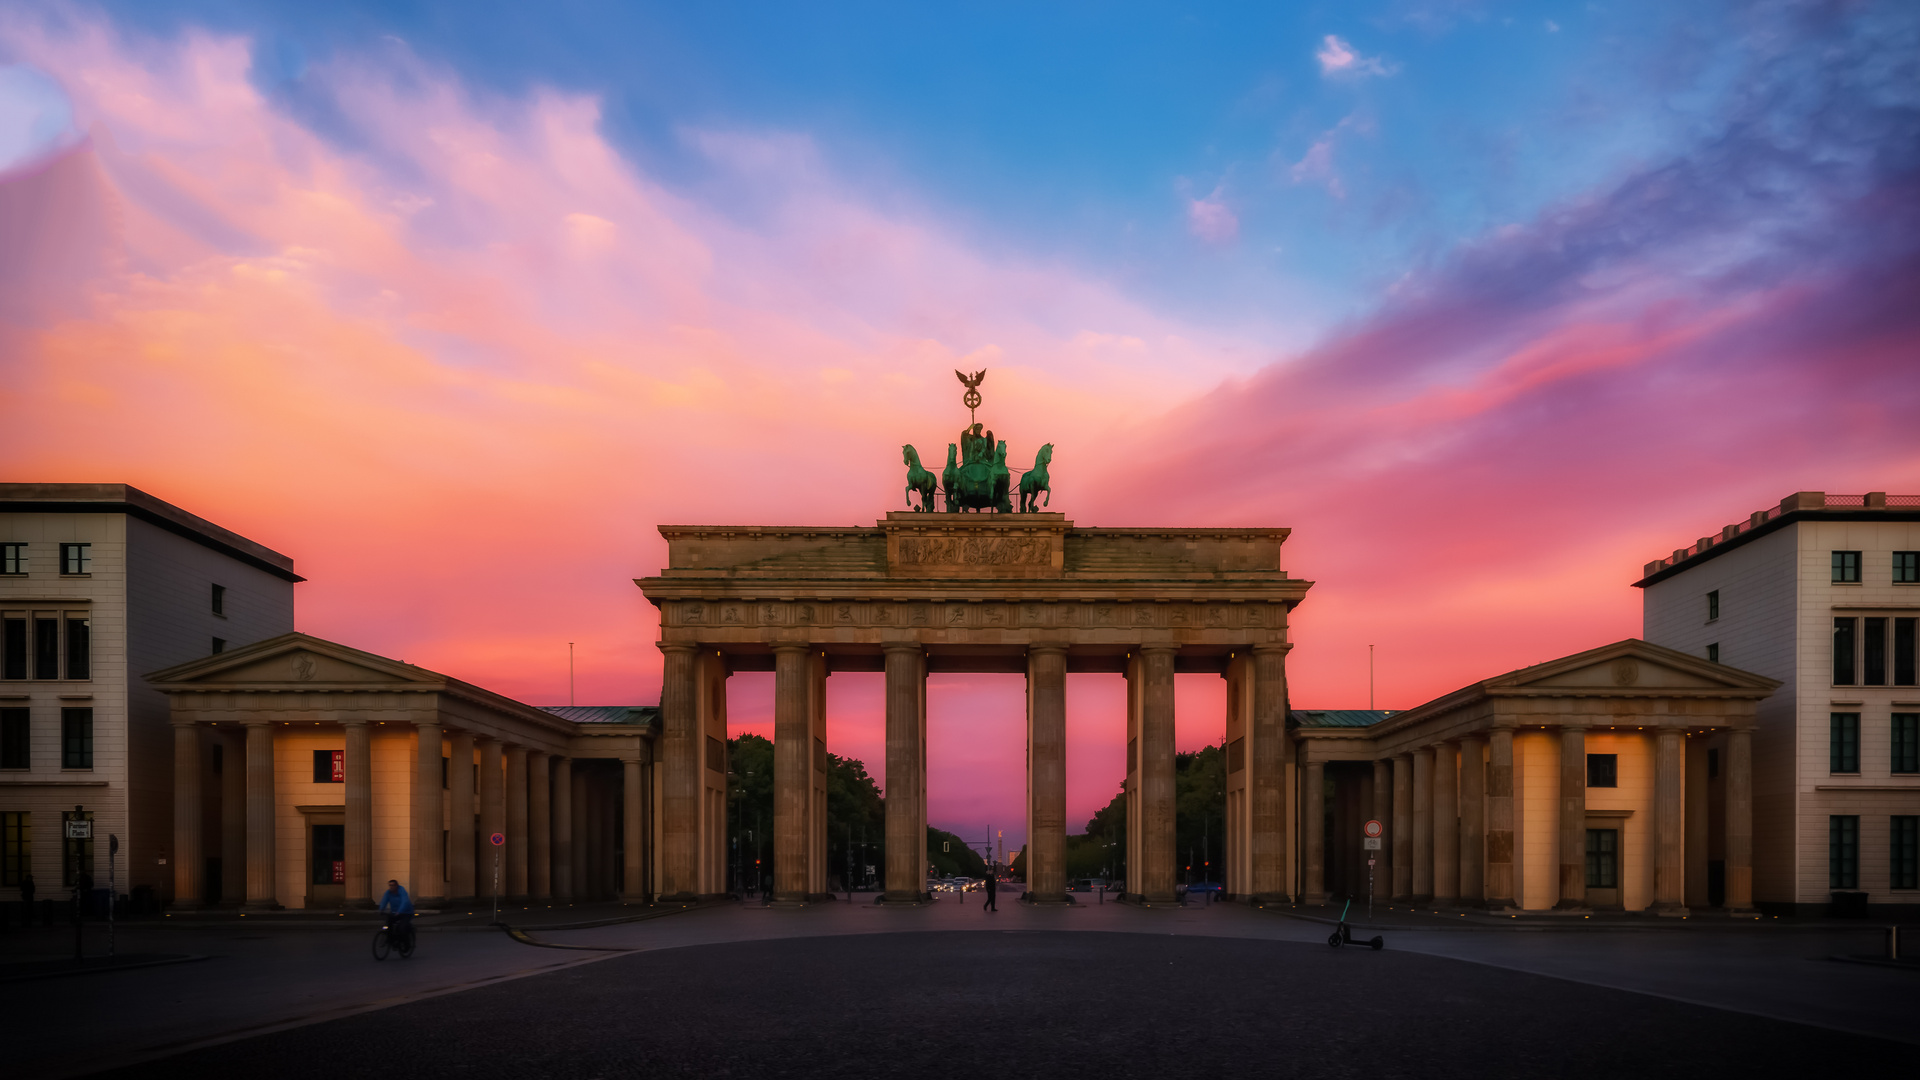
x,y
924,1004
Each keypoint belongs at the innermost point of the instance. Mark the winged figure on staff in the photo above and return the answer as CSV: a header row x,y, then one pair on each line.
x,y
977,477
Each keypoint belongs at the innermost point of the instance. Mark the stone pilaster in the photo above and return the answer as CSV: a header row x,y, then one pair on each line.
x,y
1313,826
1047,774
1669,822
516,853
1446,825
262,890
189,863
1739,820
1400,830
359,806
906,834
429,884
1473,820
539,826
1501,891
1573,818
492,871
1156,875
461,817
1422,825
680,765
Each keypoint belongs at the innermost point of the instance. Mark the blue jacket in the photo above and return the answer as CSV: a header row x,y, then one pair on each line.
x,y
397,896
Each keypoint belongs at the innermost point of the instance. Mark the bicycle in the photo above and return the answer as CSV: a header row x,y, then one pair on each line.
x,y
386,940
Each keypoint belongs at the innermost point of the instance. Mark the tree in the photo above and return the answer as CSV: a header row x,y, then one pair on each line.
x,y
857,815
1200,814
957,860
853,801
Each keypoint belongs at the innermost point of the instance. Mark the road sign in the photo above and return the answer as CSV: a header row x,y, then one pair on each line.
x,y
1373,828
1371,843
497,839
79,830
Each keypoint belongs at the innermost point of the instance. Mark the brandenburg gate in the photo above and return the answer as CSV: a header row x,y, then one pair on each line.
x,y
921,592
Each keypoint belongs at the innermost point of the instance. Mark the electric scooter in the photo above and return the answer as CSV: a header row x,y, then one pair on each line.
x,y
1343,934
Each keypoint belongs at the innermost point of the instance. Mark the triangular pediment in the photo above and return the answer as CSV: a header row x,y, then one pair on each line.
x,y
295,660
1631,665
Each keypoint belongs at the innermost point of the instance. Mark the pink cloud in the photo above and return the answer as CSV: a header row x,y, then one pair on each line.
x,y
1211,220
1338,59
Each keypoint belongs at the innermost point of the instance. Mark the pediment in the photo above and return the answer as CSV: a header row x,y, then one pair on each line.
x,y
295,660
1631,665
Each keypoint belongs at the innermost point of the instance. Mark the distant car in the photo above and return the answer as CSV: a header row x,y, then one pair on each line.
x,y
1205,886
1088,885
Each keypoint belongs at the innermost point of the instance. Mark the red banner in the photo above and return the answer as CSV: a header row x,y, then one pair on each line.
x,y
340,768
339,872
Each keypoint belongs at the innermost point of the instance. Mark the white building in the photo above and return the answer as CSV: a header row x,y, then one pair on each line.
x,y
1822,593
101,584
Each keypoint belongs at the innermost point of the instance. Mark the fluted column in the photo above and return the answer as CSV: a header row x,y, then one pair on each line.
x,y
1157,875
563,890
539,826
1446,825
633,818
1382,876
1400,834
1422,825
262,890
1669,822
359,805
1573,818
189,863
1047,774
1473,820
1739,820
792,773
680,765
429,871
462,881
492,870
906,835
1500,845
233,817
1266,786
516,853
1313,824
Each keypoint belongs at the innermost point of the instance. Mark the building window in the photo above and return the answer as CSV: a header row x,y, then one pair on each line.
x,y
1603,770
329,766
46,648
16,738
76,738
13,559
1873,652
16,846
1843,743
1843,634
1903,652
1713,605
1713,653
1843,851
1903,848
1603,858
13,651
1906,742
219,599
329,854
76,856
1713,763
76,558
79,648
1846,568
1906,568
219,645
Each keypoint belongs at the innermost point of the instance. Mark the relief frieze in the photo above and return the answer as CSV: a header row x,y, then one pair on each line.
x,y
975,551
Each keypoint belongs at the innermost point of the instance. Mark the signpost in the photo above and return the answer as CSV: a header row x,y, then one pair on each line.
x,y
498,840
1371,842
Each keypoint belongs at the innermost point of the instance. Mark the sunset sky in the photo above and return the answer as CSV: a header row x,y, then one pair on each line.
x,y
455,303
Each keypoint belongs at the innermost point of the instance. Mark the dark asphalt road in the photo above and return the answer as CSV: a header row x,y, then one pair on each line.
x,y
1062,1005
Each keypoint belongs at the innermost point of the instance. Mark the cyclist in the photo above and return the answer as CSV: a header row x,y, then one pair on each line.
x,y
397,900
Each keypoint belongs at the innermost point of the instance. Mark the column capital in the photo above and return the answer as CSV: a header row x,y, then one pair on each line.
x,y
359,722
1046,647
176,723
792,647
256,721
1282,647
901,646
1156,647
673,647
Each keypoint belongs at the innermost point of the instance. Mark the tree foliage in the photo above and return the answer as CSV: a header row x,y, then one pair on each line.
x,y
854,803
958,860
1199,814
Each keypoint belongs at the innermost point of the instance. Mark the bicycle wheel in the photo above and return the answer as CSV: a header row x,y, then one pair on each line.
x,y
381,944
406,945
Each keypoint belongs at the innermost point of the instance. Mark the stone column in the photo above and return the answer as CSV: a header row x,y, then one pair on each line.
x,y
233,818
359,793
461,879
1266,785
429,871
1159,859
680,766
1500,853
1400,829
1446,825
1669,822
1383,813
1739,820
1422,825
1313,826
633,824
188,862
792,773
516,850
539,826
1473,820
262,889
492,871
1573,818
586,886
563,830
906,836
1047,774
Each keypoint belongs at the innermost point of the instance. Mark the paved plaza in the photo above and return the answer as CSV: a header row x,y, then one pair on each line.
x,y
746,990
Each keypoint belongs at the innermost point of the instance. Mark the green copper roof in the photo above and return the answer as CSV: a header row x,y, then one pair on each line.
x,y
1338,717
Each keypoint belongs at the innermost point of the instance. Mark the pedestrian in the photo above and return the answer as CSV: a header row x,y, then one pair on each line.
x,y
993,887
26,898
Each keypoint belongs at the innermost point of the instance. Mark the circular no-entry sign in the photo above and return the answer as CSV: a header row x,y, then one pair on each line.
x,y
497,839
1373,828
